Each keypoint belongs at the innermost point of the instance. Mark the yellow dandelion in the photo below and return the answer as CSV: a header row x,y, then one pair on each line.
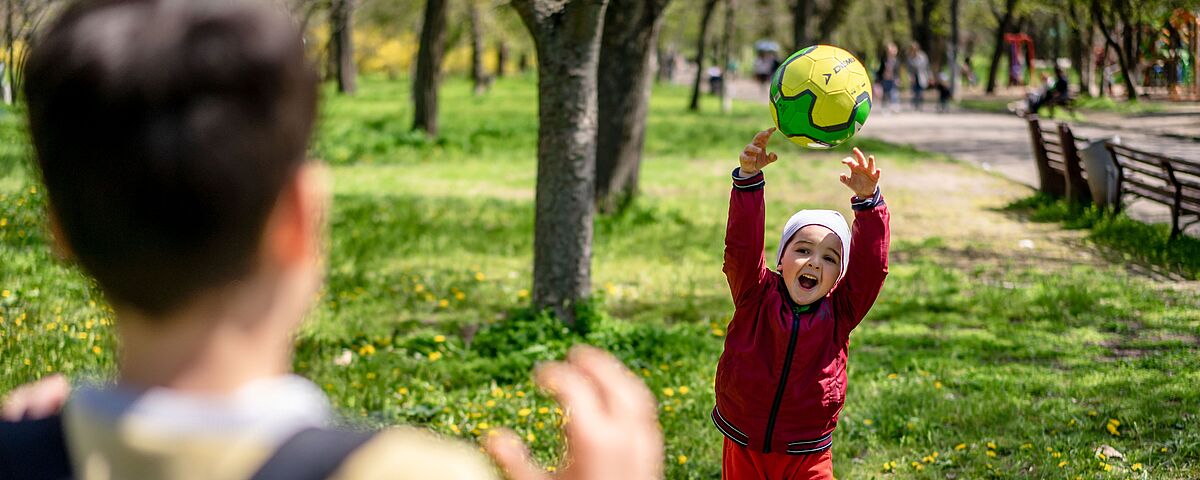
x,y
29,362
1112,429
524,412
682,459
3,222
716,331
1092,413
479,276
523,293
1056,455
370,375
1107,467
520,394
5,293
482,426
1062,464
927,459
419,288
543,410
961,446
937,385
540,425
402,391
670,392
435,356
551,469
459,295
1026,446
991,453
454,428
892,376
991,445
683,390
443,303
530,437
439,338
645,372
1163,449
96,350
1135,467
868,422
489,403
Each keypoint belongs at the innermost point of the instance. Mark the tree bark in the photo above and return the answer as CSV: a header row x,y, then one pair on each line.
x,y
429,67
921,25
1005,21
567,36
478,76
342,16
801,11
709,6
623,81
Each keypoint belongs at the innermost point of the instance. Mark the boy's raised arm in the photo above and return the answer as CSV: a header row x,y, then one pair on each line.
x,y
745,266
869,240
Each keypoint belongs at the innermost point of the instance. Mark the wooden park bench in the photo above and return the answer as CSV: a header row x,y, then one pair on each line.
x,y
1174,182
1056,153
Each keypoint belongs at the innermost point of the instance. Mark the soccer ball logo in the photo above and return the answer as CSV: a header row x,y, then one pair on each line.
x,y
820,96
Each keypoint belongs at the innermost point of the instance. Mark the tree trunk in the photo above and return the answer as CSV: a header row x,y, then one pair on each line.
x,y
567,35
831,17
623,81
478,76
709,6
1076,47
801,11
501,58
343,33
727,55
998,49
1098,14
9,68
429,67
955,40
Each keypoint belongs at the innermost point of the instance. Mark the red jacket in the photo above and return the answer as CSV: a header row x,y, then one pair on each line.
x,y
781,381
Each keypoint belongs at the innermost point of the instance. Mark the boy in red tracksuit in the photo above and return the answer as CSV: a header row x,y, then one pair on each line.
x,y
781,381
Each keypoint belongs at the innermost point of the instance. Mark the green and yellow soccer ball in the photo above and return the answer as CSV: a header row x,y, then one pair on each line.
x,y
820,96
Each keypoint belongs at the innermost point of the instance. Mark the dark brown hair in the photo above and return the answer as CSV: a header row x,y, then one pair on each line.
x,y
165,132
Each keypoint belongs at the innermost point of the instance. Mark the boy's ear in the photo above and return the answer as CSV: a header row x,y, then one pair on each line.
x,y
59,244
295,228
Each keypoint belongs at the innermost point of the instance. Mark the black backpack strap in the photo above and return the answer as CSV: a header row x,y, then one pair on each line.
x,y
34,450
312,454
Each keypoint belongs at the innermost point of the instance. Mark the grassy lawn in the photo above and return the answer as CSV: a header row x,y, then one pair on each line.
x,y
1083,105
1019,369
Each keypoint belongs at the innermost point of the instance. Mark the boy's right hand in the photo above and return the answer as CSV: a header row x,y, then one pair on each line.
x,y
611,424
754,156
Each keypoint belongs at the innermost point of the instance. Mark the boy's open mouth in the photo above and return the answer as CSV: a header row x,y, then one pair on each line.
x,y
807,281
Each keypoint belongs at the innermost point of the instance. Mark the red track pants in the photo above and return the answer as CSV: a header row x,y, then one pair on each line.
x,y
740,463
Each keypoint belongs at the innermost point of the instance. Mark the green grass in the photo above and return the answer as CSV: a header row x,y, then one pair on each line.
x,y
1129,238
430,262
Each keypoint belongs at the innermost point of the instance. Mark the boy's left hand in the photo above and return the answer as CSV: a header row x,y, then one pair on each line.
x,y
863,175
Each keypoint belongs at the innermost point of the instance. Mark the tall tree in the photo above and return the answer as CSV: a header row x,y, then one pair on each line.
x,y
566,34
623,80
953,52
429,67
920,13
727,47
478,76
1125,54
801,12
1004,23
701,42
1078,44
341,19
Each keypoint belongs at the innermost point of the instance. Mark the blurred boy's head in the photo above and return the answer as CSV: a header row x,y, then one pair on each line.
x,y
171,137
